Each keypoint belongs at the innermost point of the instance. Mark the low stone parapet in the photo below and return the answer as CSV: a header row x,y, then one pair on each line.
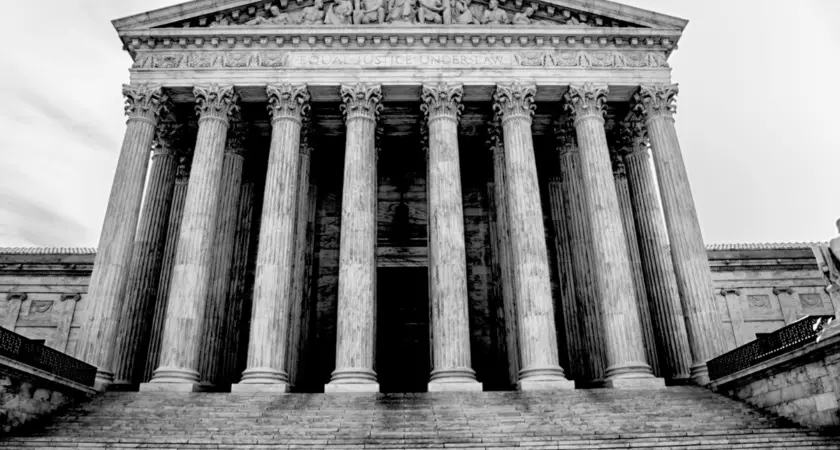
x,y
802,385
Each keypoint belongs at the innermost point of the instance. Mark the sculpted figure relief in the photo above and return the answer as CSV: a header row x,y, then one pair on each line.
x,y
339,13
431,11
493,15
313,14
276,18
402,11
524,17
462,14
369,11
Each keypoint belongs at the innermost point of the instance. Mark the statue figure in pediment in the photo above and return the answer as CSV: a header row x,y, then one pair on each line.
x,y
339,13
313,14
524,17
493,15
402,11
276,18
462,14
431,11
369,11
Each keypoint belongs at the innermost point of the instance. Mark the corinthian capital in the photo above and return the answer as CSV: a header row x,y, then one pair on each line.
x,y
586,100
184,165
514,100
496,141
145,102
566,136
442,101
631,135
361,101
656,100
237,136
168,134
286,101
216,102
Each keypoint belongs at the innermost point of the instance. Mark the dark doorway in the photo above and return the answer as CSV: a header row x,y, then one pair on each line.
x,y
402,353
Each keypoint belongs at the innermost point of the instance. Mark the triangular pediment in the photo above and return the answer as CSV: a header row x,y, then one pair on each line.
x,y
336,13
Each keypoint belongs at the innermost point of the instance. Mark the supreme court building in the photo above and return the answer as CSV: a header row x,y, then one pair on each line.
x,y
400,196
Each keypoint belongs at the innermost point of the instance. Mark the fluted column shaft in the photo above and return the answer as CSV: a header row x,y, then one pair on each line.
x,y
220,272
173,230
234,318
452,362
658,268
625,356
506,268
267,343
356,324
565,269
625,206
183,327
138,307
144,104
535,311
299,279
691,264
580,248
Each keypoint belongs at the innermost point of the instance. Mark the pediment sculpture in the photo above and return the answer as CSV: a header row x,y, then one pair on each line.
x,y
424,12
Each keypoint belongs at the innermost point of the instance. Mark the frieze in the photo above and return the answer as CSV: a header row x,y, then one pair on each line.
x,y
264,59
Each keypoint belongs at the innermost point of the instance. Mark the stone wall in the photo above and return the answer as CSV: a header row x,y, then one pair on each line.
x,y
803,385
28,394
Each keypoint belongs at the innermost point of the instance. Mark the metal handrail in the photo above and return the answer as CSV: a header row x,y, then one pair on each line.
x,y
35,354
783,340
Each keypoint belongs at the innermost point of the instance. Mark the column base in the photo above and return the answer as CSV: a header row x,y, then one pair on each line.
x,y
349,388
156,386
264,375
635,383
252,388
700,374
455,386
123,386
532,384
103,380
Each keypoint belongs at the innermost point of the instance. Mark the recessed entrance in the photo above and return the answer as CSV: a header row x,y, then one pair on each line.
x,y
402,354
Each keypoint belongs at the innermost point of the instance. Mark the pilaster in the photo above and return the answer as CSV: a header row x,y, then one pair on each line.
x,y
144,104
514,104
691,265
451,359
267,343
190,286
356,325
625,356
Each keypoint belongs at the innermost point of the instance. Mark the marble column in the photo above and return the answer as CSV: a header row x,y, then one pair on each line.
x,y
173,229
506,270
267,343
149,242
580,248
451,358
356,327
190,285
514,104
691,264
144,104
241,251
299,263
565,270
628,222
624,345
225,238
655,254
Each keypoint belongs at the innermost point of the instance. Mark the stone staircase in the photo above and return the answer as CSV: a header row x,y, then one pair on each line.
x,y
674,418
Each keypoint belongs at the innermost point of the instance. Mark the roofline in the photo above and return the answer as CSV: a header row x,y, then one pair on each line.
x,y
177,12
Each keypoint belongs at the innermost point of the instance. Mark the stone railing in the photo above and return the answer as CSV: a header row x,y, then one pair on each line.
x,y
23,350
785,339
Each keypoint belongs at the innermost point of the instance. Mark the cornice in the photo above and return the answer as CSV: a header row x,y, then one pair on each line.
x,y
451,37
164,16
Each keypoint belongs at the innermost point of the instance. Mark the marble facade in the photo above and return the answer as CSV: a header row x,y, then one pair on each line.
x,y
288,86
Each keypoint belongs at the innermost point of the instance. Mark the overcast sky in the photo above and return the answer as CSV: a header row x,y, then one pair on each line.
x,y
759,97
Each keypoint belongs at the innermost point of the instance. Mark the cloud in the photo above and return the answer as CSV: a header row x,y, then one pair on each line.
x,y
23,220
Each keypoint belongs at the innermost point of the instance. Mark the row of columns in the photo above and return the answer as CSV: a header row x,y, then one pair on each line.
x,y
196,323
